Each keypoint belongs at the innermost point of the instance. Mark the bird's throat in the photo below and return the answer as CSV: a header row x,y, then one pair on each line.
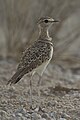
x,y
44,34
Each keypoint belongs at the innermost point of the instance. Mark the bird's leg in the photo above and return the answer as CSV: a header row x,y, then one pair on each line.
x,y
39,95
38,85
31,91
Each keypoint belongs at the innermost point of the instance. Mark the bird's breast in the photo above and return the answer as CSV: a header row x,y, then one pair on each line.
x,y
51,52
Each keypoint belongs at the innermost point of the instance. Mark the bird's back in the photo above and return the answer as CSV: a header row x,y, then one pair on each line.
x,y
39,54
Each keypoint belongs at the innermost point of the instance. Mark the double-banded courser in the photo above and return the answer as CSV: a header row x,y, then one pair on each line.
x,y
36,58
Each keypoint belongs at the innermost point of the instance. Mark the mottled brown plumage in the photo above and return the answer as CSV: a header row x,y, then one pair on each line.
x,y
33,57
37,56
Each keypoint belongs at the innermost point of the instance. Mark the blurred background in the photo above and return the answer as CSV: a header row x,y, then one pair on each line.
x,y
18,29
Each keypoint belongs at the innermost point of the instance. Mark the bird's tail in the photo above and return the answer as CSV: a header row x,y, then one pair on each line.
x,y
16,77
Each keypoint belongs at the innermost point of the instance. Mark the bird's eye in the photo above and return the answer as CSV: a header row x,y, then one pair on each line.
x,y
46,21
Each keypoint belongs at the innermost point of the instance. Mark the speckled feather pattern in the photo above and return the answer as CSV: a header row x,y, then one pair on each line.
x,y
34,56
37,56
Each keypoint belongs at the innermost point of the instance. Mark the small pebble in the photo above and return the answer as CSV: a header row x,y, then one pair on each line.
x,y
19,114
42,119
46,116
62,119
35,116
52,115
64,115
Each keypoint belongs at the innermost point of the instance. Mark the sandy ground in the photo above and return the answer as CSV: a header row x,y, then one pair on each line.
x,y
60,98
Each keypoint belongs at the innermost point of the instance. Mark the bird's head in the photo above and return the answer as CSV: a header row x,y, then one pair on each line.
x,y
46,22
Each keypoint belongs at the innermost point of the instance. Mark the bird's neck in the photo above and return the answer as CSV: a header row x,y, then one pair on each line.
x,y
44,34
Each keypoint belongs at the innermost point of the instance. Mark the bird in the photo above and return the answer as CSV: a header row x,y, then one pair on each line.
x,y
36,58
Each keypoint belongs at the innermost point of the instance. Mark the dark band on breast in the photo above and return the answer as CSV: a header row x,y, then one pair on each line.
x,y
46,41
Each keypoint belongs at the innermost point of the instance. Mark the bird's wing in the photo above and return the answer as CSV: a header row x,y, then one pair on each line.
x,y
34,56
16,77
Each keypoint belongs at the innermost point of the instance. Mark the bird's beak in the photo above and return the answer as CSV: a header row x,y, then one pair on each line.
x,y
56,21
52,20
